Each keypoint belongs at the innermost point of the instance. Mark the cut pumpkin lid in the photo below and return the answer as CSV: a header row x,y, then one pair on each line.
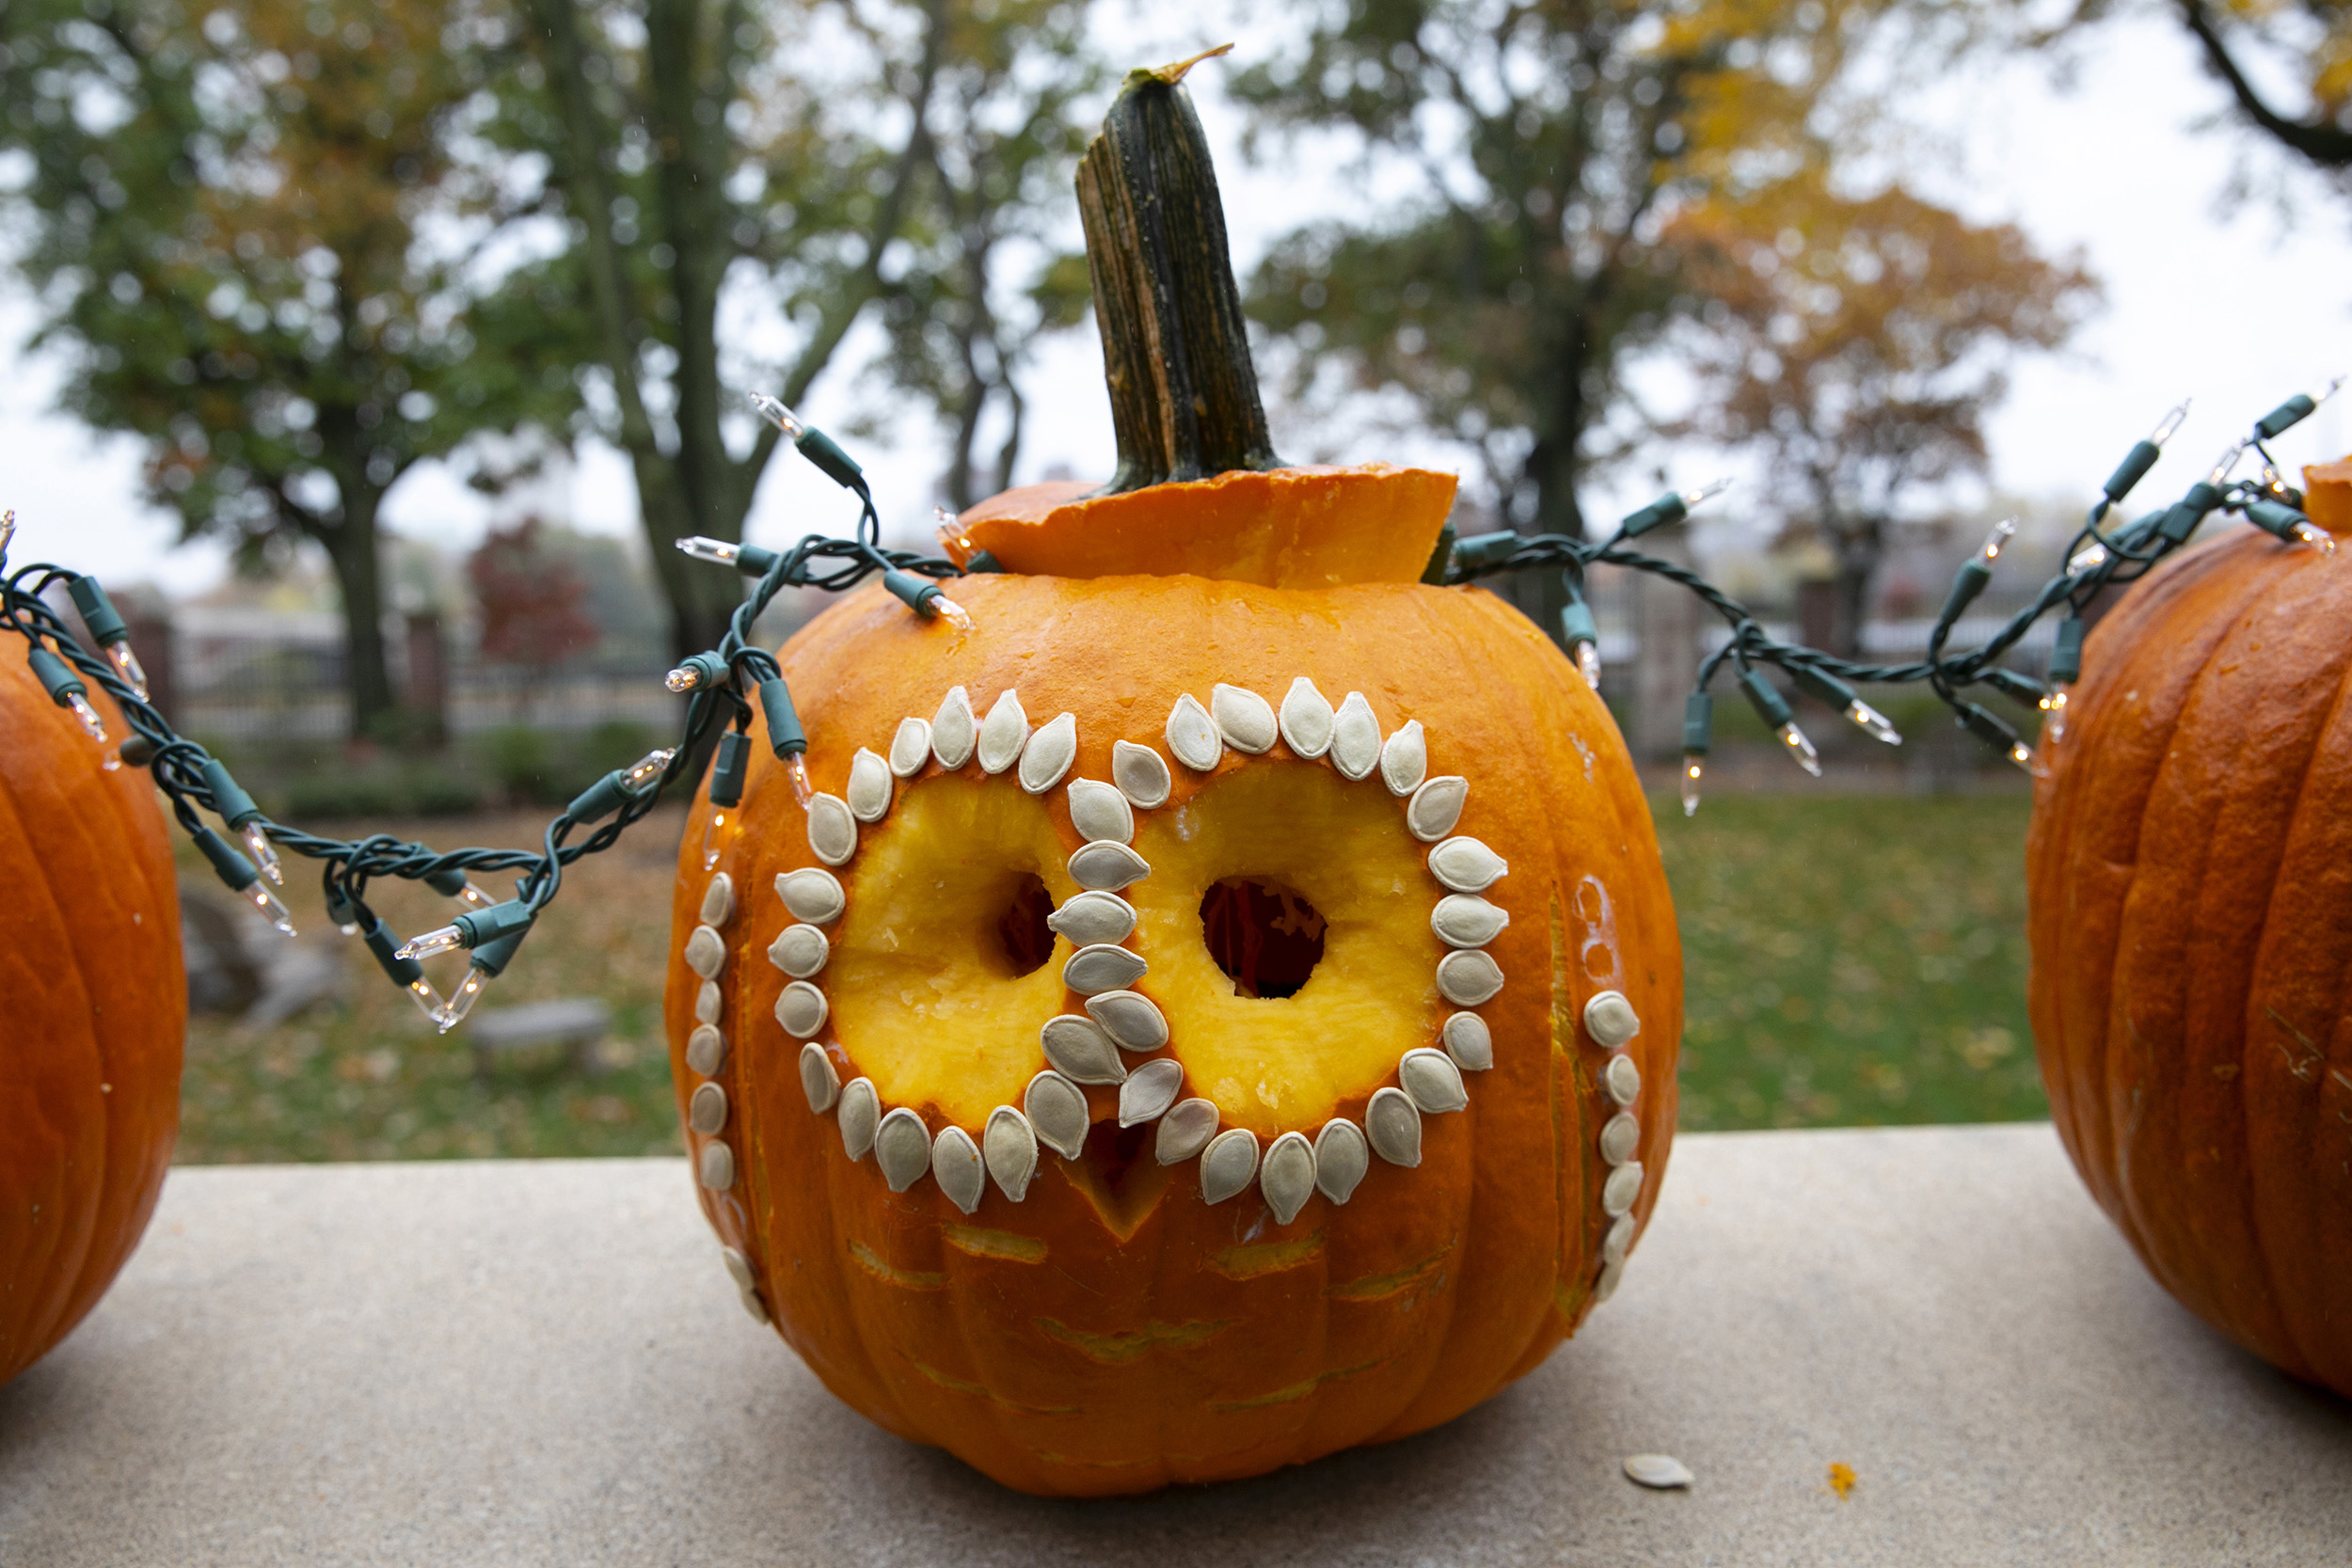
x,y
2327,495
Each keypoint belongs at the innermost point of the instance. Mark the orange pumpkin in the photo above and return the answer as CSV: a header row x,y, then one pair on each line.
x,y
96,1009
1214,837
2189,863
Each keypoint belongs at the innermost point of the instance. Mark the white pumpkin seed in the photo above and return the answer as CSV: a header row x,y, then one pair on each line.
x,y
832,829
1624,1077
954,730
800,951
1405,759
811,894
1466,920
1393,1126
1469,977
1102,967
705,951
820,1081
706,1049
1621,1138
1056,1109
1141,773
902,1147
1186,1130
1227,1164
1149,1090
1050,752
707,1109
1342,1158
858,1117
1010,1144
717,1166
1080,1050
1192,738
1244,719
754,1307
1004,733
956,1167
869,790
1092,918
1099,812
709,1003
1619,1241
1469,1042
1466,865
1659,1472
738,1268
1130,1017
1437,806
800,1009
1623,1186
1288,1176
719,900
1355,738
1106,867
1306,721
1609,1019
910,747
1432,1082
1606,1286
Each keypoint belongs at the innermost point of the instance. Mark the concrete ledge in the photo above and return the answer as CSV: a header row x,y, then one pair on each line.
x,y
542,1363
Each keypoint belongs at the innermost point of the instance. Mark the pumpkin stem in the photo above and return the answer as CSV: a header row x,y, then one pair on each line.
x,y
1175,351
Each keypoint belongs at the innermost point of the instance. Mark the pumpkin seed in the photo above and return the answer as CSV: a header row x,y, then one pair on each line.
x,y
1141,773
1342,1158
819,1079
1606,1286
1192,738
1469,1042
717,1166
1624,1078
1246,721
757,1309
800,951
1080,1050
1102,967
1288,1176
1149,1090
706,1049
1099,812
811,894
1003,733
1227,1164
956,1167
1432,1082
1609,1019
1307,719
860,1110
1056,1109
1094,918
910,747
707,1109
832,829
705,951
1436,806
1106,867
1405,759
1009,1145
954,730
1355,738
1130,1017
1615,1246
1469,977
1050,752
1620,1138
1623,1186
902,1147
709,1003
1466,920
800,1009
869,790
738,1268
1466,865
1658,1471
1184,1132
1394,1127
719,900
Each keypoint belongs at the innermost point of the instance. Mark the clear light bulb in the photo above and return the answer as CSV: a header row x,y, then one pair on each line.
x,y
2171,423
645,769
454,1012
713,833
2022,754
1588,663
776,414
474,898
87,715
2088,559
1691,768
2317,537
950,526
1708,490
428,1001
7,529
717,553
1801,750
2327,390
2054,726
273,908
349,927
2227,461
127,668
265,853
1990,551
953,614
446,939
795,768
1872,722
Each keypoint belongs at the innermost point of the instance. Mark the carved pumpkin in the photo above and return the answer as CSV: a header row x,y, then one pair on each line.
x,y
1207,1018
96,1011
2190,884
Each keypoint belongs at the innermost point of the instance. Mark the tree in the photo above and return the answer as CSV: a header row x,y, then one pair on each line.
x,y
533,603
1857,345
2314,38
224,212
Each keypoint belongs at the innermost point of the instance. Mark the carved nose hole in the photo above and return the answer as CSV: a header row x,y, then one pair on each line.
x,y
1266,938
1022,935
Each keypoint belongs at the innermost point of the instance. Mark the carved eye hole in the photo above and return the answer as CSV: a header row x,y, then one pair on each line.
x,y
1266,937
1022,936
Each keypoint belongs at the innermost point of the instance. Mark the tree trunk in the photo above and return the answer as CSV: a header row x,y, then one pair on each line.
x,y
1861,547
351,550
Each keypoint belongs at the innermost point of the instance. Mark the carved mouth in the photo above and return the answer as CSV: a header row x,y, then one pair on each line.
x,y
1118,1175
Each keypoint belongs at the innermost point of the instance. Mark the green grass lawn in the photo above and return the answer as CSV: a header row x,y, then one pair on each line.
x,y
1848,959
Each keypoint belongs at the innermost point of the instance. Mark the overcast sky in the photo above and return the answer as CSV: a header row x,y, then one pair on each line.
x,y
2235,309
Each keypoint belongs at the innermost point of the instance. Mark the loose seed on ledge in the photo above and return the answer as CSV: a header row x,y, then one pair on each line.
x,y
1355,738
1466,920
1466,865
1342,1158
902,1147
1432,1082
1003,733
1131,1018
1102,967
1623,1186
1394,1127
1092,918
1306,721
1010,1144
1184,1132
800,1009
705,951
812,894
1404,759
819,1079
1056,1109
719,900
1621,1138
954,730
1437,806
1288,1176
1192,737
832,829
1469,1042
859,1115
1609,1018
869,790
1624,1077
1050,752
1141,773
707,1109
1149,1090
800,951
910,747
956,1167
1105,867
1080,1050
1227,1164
1099,812
1469,977
706,1049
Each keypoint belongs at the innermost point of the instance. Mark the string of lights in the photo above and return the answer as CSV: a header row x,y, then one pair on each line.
x,y
723,684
